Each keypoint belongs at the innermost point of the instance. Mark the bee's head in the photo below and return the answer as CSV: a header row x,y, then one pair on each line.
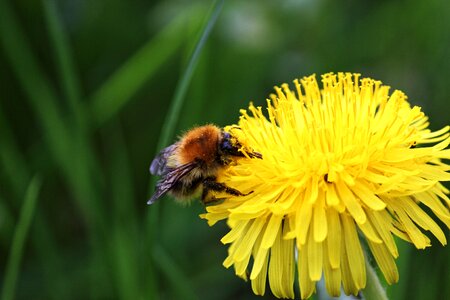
x,y
230,145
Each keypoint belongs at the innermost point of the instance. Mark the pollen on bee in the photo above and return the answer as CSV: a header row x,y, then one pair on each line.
x,y
199,143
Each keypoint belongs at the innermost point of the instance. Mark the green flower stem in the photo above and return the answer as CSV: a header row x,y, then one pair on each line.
x,y
374,290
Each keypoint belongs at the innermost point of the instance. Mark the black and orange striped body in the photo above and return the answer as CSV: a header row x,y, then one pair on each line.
x,y
189,167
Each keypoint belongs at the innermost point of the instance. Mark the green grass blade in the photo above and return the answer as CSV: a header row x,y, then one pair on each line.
x,y
11,159
19,238
16,170
174,274
67,148
137,70
51,261
80,175
39,90
70,154
6,224
168,129
63,59
124,231
173,115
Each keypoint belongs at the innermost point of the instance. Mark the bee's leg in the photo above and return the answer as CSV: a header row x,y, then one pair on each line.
x,y
255,155
208,198
210,183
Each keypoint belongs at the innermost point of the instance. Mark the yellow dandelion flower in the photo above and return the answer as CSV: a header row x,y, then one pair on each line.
x,y
342,161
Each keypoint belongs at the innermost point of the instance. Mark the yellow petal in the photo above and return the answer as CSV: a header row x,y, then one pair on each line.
x,y
422,219
354,252
382,222
374,176
444,154
302,220
307,287
351,202
235,232
369,232
272,229
385,261
334,238
312,191
259,261
315,257
285,201
420,240
240,267
367,196
290,221
434,173
247,213
281,267
332,197
436,133
332,275
433,202
245,246
320,219
259,283
229,261
347,279
213,218
288,267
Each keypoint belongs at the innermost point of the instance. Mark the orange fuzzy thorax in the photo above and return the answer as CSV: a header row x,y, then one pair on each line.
x,y
199,144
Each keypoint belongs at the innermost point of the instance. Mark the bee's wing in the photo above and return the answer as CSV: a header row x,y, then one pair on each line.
x,y
158,165
170,179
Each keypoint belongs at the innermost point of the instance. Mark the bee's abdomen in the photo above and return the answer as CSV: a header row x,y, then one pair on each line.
x,y
187,187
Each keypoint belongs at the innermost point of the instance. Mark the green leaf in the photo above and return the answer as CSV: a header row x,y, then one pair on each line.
x,y
19,238
180,282
119,89
173,115
39,90
124,239
64,62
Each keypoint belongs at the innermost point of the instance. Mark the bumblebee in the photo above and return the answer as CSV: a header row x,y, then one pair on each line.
x,y
189,167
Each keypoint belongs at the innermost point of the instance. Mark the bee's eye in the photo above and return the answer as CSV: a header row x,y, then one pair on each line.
x,y
226,144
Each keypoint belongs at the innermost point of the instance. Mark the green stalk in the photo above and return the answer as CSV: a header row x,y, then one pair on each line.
x,y
373,290
168,130
40,92
173,273
123,232
19,238
173,115
43,100
11,158
64,62
119,89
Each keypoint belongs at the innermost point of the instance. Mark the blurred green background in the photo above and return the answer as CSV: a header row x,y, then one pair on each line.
x,y
85,87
